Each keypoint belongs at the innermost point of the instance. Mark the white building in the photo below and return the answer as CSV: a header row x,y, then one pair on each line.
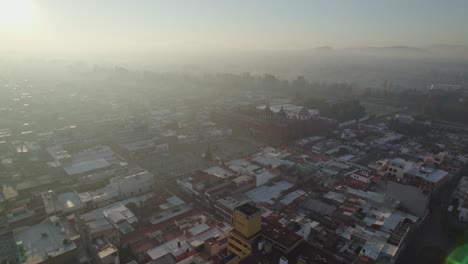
x,y
100,197
133,184
262,176
292,111
397,167
362,176
242,166
63,203
172,250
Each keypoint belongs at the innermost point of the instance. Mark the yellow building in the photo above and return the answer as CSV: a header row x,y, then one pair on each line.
x,y
247,223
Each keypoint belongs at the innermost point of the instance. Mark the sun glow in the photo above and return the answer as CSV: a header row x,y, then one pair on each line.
x,y
15,14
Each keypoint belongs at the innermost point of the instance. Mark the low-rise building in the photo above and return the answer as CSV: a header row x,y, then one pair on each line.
x,y
397,168
100,197
225,206
133,184
109,222
426,178
91,160
46,243
360,179
103,252
62,203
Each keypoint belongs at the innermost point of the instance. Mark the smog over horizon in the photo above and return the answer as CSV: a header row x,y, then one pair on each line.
x,y
233,132
61,27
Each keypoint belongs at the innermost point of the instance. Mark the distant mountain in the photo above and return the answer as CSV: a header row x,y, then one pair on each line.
x,y
390,51
324,48
435,51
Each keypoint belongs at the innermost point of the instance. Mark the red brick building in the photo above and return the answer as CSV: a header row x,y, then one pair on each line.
x,y
274,127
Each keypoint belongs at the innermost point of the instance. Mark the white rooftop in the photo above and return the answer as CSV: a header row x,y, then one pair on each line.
x,y
266,193
242,166
168,214
116,215
338,197
262,177
389,250
231,202
198,229
138,145
74,168
290,197
376,197
174,247
65,202
289,109
395,218
106,252
219,172
42,240
273,162
202,237
432,175
91,159
374,245
140,176
99,195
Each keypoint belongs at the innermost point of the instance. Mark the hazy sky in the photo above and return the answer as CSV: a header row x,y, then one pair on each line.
x,y
220,25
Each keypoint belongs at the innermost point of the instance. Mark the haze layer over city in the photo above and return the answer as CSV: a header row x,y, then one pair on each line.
x,y
233,132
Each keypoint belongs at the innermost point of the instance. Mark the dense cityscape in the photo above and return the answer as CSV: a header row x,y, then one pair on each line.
x,y
245,175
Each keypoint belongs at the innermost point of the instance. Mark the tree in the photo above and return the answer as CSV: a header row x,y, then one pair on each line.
x,y
341,111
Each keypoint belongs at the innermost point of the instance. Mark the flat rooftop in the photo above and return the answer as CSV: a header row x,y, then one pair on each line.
x,y
292,196
43,240
168,214
88,160
248,209
85,166
174,247
63,202
106,193
274,231
267,193
115,215
429,175
140,176
138,144
231,202
219,172
242,166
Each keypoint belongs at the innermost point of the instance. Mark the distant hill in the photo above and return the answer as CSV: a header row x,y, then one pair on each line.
x,y
435,51
390,51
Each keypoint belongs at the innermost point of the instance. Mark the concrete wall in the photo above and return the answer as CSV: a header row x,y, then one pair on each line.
x,y
411,197
135,185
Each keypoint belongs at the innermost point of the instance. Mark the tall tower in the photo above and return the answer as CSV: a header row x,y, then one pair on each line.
x,y
247,223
